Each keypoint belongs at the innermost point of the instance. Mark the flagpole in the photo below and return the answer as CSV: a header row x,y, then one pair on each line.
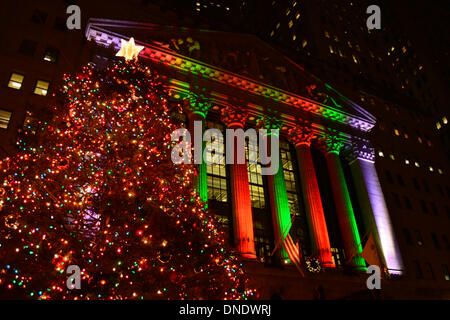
x,y
356,247
288,227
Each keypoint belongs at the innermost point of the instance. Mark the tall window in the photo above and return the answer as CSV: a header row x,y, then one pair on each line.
x,y
254,177
217,174
289,169
289,177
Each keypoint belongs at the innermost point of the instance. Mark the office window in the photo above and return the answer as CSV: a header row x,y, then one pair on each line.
x,y
407,203
435,239
51,55
446,242
400,180
255,178
429,270
28,47
389,177
407,235
15,81
216,172
419,238
445,272
424,207
397,200
41,87
425,186
5,117
416,184
418,269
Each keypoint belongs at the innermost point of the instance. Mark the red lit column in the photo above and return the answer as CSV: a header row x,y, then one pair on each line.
x,y
240,190
331,146
301,137
197,110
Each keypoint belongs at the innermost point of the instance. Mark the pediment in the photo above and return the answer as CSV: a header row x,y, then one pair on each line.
x,y
243,55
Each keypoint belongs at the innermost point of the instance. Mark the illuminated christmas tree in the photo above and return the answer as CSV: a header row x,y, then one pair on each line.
x,y
97,189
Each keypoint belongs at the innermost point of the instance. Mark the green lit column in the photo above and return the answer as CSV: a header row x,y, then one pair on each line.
x,y
278,197
331,146
197,110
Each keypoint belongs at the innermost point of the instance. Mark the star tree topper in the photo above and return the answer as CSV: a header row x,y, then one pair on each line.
x,y
129,50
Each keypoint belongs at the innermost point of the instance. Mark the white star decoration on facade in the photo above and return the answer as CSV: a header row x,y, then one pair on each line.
x,y
129,50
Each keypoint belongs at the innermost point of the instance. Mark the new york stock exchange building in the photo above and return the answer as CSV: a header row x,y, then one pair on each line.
x,y
326,196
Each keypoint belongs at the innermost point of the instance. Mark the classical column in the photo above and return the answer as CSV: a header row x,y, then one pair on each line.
x,y
331,146
278,198
197,110
301,137
373,205
240,190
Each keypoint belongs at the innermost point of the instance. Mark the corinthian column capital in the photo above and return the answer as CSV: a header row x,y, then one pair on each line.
x,y
269,123
196,104
360,149
301,134
330,144
233,117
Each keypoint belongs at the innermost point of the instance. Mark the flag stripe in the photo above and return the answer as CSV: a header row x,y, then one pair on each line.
x,y
293,253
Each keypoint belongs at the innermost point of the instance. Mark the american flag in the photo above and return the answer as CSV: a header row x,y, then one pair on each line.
x,y
293,251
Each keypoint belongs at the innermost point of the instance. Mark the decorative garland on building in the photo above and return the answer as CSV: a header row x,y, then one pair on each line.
x,y
313,265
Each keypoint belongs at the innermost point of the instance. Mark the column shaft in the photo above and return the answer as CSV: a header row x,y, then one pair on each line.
x,y
240,190
375,213
279,204
201,178
344,209
313,204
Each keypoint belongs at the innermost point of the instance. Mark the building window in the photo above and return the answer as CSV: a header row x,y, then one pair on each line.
x,y
397,200
436,243
425,186
446,242
41,87
289,178
419,238
419,274
51,55
407,235
445,272
400,180
216,172
424,207
15,81
389,177
407,203
28,47
255,178
416,184
430,270
5,117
